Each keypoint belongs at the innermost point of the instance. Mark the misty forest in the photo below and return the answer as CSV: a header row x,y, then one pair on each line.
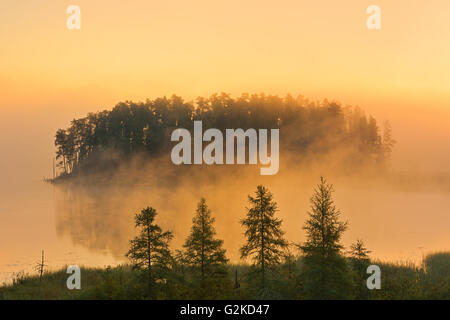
x,y
102,140
270,266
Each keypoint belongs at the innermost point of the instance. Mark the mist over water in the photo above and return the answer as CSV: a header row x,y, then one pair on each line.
x,y
400,215
391,214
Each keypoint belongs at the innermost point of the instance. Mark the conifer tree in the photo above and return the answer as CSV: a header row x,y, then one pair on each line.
x,y
358,251
202,250
149,251
265,242
359,256
325,271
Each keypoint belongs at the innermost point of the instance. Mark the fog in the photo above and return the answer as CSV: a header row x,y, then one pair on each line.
x,y
400,215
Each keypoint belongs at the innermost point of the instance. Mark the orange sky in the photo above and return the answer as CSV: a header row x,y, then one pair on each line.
x,y
140,49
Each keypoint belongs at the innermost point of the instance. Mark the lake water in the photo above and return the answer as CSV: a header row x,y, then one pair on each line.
x,y
29,224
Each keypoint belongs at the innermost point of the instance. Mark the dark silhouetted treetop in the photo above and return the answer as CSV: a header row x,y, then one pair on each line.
x,y
150,249
265,242
325,272
323,227
202,249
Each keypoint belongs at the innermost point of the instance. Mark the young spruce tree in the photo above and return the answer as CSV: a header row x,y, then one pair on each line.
x,y
149,251
359,256
265,242
202,250
325,271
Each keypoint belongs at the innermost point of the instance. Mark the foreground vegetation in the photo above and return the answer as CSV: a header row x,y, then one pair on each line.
x,y
319,268
399,281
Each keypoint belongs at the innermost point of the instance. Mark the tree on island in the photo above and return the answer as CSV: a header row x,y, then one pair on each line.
x,y
265,242
325,272
150,249
202,251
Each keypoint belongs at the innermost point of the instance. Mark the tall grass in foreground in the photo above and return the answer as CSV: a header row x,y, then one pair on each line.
x,y
431,280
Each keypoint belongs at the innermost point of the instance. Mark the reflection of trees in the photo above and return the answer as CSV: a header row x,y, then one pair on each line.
x,y
101,218
96,218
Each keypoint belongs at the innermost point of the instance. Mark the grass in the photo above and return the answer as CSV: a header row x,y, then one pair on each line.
x,y
399,281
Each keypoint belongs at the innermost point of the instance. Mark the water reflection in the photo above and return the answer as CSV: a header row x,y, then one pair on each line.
x,y
397,223
99,221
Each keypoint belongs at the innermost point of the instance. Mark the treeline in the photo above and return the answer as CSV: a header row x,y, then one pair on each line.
x,y
307,128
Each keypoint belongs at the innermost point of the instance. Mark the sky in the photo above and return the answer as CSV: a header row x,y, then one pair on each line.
x,y
139,49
